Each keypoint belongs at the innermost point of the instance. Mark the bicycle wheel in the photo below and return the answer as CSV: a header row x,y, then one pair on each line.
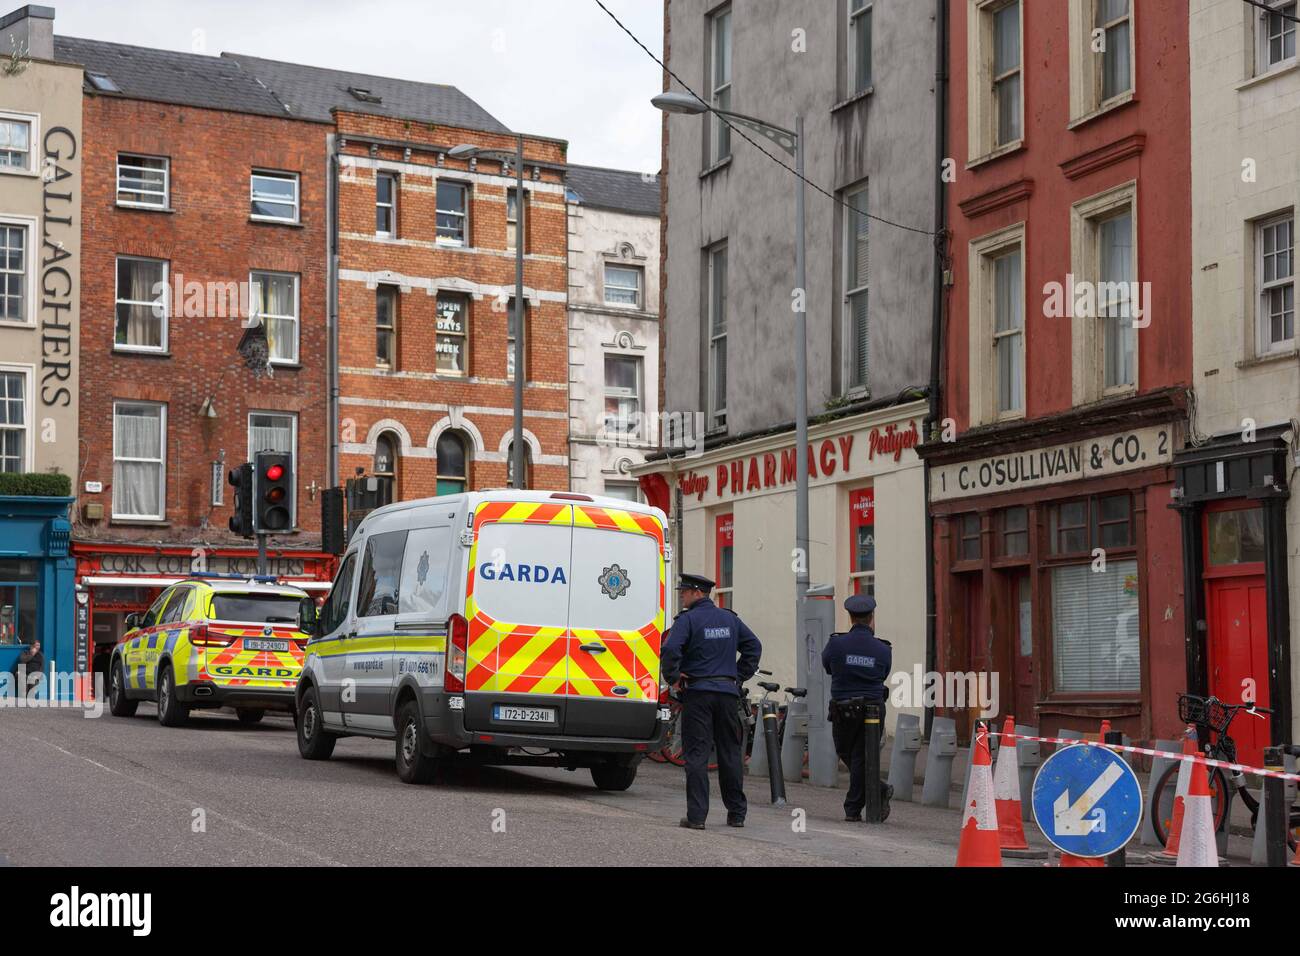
x,y
1162,802
673,748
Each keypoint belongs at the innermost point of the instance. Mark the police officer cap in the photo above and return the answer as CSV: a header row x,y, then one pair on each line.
x,y
860,604
696,582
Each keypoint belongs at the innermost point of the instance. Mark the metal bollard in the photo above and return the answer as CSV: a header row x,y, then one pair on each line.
x,y
872,727
936,791
902,763
1118,858
1276,809
1158,765
768,718
1029,757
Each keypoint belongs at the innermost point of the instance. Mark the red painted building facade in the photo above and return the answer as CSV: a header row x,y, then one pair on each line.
x,y
1067,358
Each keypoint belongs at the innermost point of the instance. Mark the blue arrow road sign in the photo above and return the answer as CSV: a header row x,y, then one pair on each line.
x,y
1087,801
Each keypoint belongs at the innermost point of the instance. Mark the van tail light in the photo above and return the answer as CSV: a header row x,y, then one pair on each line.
x,y
453,678
663,694
200,636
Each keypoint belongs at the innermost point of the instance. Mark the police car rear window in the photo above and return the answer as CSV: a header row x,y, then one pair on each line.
x,y
256,608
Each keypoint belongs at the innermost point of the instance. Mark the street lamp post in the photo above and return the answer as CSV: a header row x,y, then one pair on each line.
x,y
792,142
466,151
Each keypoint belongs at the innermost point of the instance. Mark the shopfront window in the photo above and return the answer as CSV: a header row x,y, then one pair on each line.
x,y
18,601
1236,537
862,529
968,538
1013,532
725,536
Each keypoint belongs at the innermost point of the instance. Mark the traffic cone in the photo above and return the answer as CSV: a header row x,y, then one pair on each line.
x,y
1196,844
1069,859
1170,853
1105,729
1006,792
979,825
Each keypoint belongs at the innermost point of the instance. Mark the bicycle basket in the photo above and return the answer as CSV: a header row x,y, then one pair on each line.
x,y
1217,716
1191,710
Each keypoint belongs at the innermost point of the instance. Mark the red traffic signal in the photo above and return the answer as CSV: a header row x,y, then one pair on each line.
x,y
274,473
273,493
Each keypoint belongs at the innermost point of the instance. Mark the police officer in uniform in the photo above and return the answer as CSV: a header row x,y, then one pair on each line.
x,y
712,652
858,663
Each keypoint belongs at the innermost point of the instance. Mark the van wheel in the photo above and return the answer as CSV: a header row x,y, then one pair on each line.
x,y
248,715
413,765
314,742
171,712
119,705
613,776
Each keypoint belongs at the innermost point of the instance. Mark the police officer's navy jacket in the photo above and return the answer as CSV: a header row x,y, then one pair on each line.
x,y
703,644
858,663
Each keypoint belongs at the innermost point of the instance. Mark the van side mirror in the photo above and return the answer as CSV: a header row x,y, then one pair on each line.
x,y
308,616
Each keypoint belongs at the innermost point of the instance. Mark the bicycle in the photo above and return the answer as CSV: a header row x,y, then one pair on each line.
x,y
1214,717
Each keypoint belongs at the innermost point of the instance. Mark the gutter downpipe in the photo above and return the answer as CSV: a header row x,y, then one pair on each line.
x,y
332,310
936,325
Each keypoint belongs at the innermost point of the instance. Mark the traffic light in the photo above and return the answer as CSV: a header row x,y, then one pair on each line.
x,y
273,492
241,479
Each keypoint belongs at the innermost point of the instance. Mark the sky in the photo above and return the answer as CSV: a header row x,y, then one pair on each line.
x,y
558,68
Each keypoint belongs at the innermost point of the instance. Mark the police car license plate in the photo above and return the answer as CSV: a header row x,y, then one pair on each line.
x,y
529,715
257,644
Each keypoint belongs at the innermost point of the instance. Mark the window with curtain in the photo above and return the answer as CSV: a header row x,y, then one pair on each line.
x,y
139,454
626,490
1006,73
622,396
1009,331
386,327
15,143
275,302
13,273
716,387
13,421
1114,300
275,431
453,336
385,204
1113,20
1275,242
453,474
623,285
142,304
859,46
856,290
720,85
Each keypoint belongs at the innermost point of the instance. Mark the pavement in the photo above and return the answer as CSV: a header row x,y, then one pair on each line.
x,y
128,792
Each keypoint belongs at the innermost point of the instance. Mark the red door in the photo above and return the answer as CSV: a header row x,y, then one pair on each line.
x,y
1235,610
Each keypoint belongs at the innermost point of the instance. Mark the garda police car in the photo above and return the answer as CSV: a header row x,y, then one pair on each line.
x,y
495,623
213,641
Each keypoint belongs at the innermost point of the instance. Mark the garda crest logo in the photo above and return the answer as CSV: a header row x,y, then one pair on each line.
x,y
614,582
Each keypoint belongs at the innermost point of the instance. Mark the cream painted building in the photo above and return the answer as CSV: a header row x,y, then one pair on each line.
x,y
40,238
613,327
1241,520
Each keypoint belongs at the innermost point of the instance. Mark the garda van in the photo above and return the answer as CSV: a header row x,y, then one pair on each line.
x,y
504,626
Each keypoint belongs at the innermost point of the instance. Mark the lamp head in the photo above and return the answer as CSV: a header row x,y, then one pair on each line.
x,y
677,103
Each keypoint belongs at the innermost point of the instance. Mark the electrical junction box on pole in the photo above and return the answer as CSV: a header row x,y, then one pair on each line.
x,y
1087,801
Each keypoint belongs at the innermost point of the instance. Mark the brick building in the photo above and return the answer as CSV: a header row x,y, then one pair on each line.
x,y
203,202
426,278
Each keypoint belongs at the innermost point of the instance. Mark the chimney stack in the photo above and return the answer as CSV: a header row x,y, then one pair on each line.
x,y
32,31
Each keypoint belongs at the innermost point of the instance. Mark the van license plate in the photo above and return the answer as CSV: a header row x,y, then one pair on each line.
x,y
528,715
257,644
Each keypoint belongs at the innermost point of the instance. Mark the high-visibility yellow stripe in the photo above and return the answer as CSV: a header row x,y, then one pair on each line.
x,y
519,662
554,679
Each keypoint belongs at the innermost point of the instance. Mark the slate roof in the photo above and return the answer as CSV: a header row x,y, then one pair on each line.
x,y
618,189
164,76
311,92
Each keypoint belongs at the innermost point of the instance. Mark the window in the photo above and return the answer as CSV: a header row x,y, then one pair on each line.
x,y
16,135
995,105
386,446
1275,278
969,543
175,609
381,574
512,330
855,285
724,570
1115,255
452,202
1077,527
424,571
143,181
276,431
139,460
716,385
626,490
275,302
452,473
1112,24
14,404
1009,332
1102,52
720,83
335,610
1276,32
623,285
142,304
1236,537
622,396
15,272
512,220
385,204
1095,638
20,602
453,340
996,361
1013,528
862,541
386,327
859,46
510,466
1104,263
274,196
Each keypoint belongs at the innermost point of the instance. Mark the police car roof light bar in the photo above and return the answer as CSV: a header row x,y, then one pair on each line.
x,y
231,576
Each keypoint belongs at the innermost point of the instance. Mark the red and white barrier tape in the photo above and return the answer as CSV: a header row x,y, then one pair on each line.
x,y
1200,758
